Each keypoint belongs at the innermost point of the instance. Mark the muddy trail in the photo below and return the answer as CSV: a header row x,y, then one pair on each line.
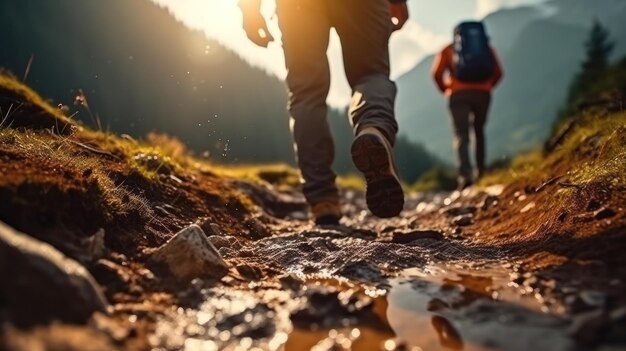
x,y
110,243
424,281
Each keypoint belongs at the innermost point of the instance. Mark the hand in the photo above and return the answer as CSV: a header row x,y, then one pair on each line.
x,y
254,24
399,14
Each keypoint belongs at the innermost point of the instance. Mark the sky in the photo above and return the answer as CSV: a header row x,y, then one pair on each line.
x,y
428,30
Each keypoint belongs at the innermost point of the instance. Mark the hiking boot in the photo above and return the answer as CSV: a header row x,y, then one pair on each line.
x,y
372,154
326,213
463,182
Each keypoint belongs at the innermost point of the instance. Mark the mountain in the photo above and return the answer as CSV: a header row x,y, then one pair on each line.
x,y
541,48
141,71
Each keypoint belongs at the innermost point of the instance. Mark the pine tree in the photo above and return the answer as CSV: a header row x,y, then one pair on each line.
x,y
598,48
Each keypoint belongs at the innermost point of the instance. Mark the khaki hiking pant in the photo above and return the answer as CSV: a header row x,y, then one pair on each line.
x,y
469,109
364,28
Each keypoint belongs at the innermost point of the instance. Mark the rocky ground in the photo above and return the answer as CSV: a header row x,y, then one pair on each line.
x,y
115,244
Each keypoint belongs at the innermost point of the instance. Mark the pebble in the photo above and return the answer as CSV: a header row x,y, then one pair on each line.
x,y
463,220
604,213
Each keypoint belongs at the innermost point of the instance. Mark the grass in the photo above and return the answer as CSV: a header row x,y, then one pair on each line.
x,y
595,149
12,87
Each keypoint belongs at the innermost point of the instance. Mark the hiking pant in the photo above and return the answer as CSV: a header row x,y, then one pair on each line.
x,y
469,109
364,28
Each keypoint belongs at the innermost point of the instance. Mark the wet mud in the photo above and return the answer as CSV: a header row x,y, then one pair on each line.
x,y
418,282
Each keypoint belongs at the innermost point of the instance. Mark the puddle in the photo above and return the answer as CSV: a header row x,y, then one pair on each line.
x,y
437,307
474,309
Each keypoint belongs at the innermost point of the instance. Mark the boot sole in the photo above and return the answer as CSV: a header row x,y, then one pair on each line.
x,y
384,194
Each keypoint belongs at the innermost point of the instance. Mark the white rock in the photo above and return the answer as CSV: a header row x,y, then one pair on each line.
x,y
190,254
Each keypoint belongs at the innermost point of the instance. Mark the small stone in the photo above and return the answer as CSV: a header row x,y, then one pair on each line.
x,y
459,210
586,327
215,229
109,272
593,205
437,305
528,207
249,272
618,315
190,254
219,241
593,298
489,202
409,237
290,281
95,245
256,229
463,220
604,213
115,329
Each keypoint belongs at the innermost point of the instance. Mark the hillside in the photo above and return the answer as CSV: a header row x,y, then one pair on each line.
x,y
109,243
537,45
167,77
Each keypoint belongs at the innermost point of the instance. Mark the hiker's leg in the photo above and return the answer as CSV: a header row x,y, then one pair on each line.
x,y
364,28
481,102
305,30
460,110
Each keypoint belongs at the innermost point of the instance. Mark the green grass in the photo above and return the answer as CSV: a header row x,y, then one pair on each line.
x,y
594,149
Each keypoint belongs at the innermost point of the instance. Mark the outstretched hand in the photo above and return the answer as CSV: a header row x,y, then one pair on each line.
x,y
254,23
399,14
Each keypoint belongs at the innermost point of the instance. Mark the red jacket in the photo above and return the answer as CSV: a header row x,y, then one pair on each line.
x,y
443,74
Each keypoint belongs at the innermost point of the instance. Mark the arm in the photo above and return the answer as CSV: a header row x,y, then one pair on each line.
x,y
497,73
399,13
254,23
438,71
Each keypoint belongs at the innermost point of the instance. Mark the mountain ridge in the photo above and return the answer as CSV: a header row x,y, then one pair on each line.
x,y
524,105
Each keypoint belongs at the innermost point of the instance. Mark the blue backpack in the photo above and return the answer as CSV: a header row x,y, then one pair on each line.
x,y
473,58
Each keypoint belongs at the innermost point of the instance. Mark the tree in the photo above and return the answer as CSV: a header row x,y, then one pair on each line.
x,y
598,49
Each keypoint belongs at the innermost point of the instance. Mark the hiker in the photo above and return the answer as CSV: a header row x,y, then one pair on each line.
x,y
364,28
466,71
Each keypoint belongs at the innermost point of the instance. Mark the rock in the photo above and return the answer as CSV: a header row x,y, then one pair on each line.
x,y
40,284
256,229
249,272
117,329
190,254
290,281
604,213
219,241
489,202
459,210
528,207
95,246
588,327
360,270
409,237
593,298
110,274
463,220
436,304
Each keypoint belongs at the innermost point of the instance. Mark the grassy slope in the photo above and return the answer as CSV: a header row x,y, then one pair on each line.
x,y
81,180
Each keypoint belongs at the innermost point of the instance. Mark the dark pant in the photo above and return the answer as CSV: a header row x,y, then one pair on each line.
x,y
469,109
364,28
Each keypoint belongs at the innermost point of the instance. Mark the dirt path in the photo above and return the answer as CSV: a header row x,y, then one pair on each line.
x,y
424,281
